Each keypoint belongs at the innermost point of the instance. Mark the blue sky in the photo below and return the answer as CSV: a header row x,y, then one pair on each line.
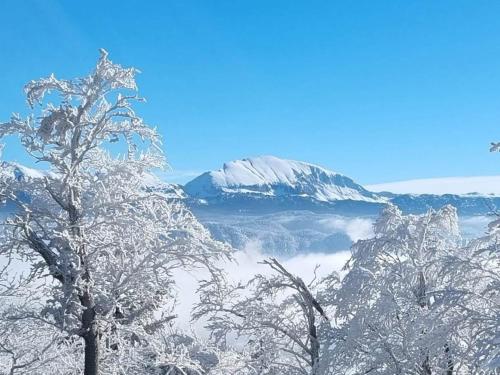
x,y
378,90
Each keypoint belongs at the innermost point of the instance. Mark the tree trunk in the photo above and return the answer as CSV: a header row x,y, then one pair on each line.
x,y
450,365
89,328
423,301
426,367
314,343
90,334
91,354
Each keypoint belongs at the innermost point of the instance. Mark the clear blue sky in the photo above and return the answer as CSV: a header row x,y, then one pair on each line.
x,y
378,90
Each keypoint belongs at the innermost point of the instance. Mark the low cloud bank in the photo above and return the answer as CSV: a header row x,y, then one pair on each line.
x,y
355,228
245,267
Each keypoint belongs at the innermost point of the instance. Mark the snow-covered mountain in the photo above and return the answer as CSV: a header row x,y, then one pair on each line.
x,y
288,207
15,170
150,181
269,176
270,184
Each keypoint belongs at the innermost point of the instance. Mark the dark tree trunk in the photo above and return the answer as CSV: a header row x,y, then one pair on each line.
x,y
90,335
314,345
426,367
89,328
450,366
91,354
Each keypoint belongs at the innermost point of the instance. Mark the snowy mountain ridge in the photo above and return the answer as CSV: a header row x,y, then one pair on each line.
x,y
269,176
150,181
287,206
269,184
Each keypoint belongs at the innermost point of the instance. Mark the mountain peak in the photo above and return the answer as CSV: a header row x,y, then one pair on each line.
x,y
272,176
263,170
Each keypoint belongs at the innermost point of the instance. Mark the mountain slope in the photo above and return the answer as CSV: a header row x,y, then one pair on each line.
x,y
18,171
150,181
269,176
286,207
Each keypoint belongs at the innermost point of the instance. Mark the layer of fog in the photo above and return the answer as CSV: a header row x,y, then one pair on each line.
x,y
246,262
245,265
355,228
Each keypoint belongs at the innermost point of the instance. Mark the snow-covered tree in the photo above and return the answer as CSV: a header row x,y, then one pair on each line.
x,y
474,277
30,346
99,245
278,319
395,306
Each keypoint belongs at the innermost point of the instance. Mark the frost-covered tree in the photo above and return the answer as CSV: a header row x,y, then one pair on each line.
x,y
397,310
30,346
279,319
474,276
25,344
99,245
